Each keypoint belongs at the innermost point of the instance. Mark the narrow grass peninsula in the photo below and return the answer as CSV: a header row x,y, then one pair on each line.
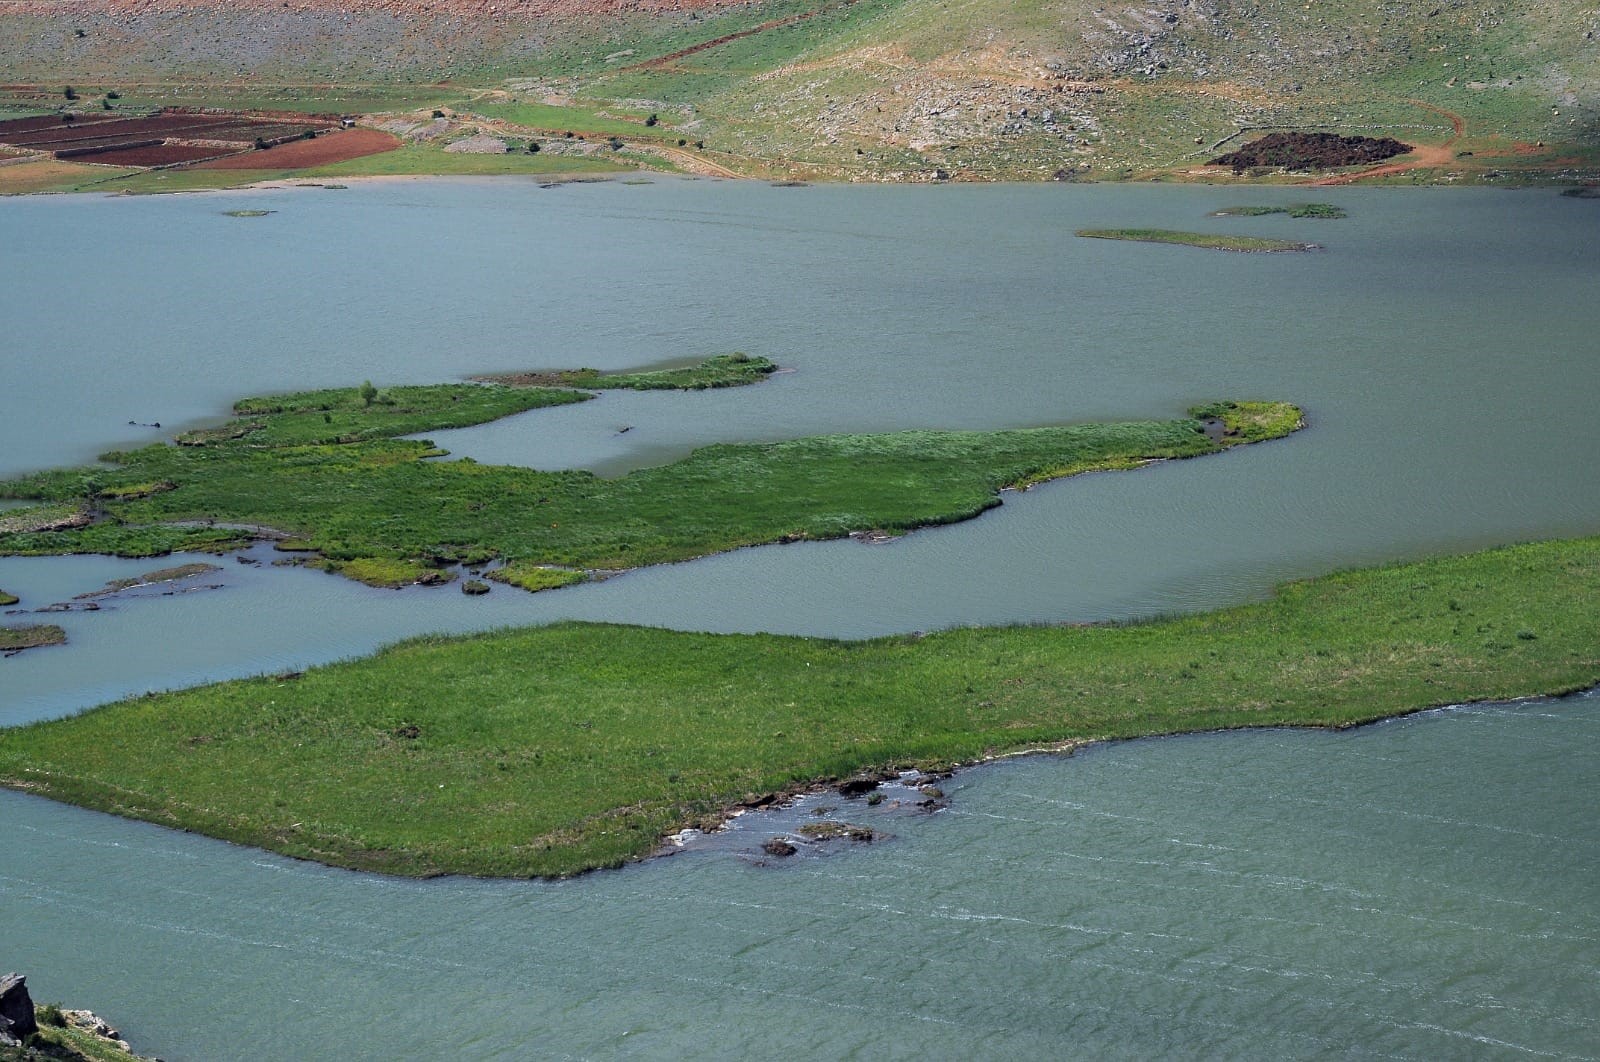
x,y
326,469
1323,211
1208,240
564,748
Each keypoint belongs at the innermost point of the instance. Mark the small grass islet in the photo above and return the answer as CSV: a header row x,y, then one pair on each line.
x,y
575,746
30,636
724,370
1324,211
1207,240
324,468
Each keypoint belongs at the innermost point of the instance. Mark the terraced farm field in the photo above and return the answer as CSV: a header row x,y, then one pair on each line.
x,y
166,138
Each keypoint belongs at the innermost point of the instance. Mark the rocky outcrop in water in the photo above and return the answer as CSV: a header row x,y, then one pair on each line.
x,y
17,1022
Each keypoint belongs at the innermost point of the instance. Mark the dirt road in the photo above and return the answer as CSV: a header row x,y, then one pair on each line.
x,y
1427,157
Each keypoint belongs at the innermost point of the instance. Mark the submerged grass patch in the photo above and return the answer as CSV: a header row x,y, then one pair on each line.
x,y
723,370
325,468
553,750
1325,211
1210,241
30,636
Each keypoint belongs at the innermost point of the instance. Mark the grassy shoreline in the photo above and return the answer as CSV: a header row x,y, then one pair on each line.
x,y
577,746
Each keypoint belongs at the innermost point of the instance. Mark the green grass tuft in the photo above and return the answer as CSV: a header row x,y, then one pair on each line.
x,y
533,578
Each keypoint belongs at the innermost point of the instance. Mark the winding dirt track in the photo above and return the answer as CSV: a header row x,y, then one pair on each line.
x,y
1429,156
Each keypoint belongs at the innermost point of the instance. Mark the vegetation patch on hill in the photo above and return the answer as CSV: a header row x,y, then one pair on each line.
x,y
564,748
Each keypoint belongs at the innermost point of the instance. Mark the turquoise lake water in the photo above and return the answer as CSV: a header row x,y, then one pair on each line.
x,y
1421,889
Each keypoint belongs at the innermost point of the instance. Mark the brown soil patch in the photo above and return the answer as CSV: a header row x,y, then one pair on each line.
x,y
154,155
301,154
44,175
1426,157
1311,151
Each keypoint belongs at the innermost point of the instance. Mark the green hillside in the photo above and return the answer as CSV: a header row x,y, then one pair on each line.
x,y
896,89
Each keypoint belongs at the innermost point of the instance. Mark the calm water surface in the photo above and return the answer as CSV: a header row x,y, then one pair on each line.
x,y
1420,889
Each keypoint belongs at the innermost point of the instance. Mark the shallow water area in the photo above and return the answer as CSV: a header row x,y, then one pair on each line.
x,y
1440,348
1420,889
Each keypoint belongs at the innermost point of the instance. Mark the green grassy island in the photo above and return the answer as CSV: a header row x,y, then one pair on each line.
x,y
1324,211
30,636
559,749
1207,240
326,469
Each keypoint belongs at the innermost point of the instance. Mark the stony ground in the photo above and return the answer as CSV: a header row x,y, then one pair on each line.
x,y
891,89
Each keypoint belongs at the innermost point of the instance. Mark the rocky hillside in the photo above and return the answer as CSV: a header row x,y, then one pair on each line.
x,y
896,88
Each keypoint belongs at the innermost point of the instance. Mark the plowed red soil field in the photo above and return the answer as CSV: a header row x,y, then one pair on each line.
x,y
46,122
334,147
156,155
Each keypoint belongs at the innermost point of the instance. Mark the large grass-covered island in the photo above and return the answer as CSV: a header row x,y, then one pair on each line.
x,y
328,469
559,749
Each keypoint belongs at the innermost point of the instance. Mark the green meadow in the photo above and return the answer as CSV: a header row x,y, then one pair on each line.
x,y
559,749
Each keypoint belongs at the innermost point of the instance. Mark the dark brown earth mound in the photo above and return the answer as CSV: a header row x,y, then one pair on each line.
x,y
1311,151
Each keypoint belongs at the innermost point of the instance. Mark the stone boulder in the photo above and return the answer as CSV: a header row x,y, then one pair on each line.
x,y
16,1008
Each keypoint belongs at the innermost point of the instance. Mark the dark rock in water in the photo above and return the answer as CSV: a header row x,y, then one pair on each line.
x,y
777,846
833,831
16,1008
857,787
474,587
